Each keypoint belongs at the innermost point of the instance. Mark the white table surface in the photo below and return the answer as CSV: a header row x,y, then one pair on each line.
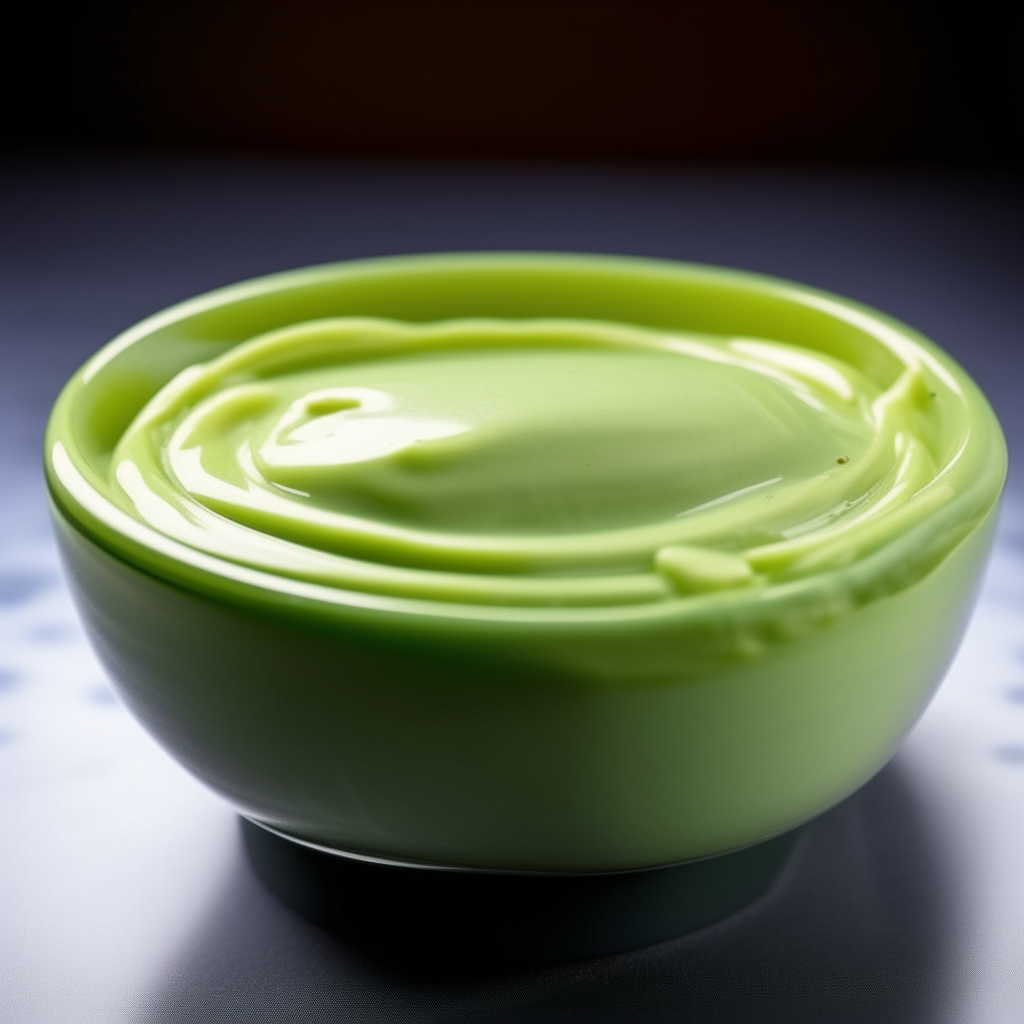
x,y
124,893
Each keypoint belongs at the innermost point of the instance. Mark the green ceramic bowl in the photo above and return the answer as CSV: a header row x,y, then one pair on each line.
x,y
622,708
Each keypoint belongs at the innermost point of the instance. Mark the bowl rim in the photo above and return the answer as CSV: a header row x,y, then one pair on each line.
x,y
78,500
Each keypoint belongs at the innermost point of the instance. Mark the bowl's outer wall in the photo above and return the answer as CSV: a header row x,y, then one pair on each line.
x,y
482,752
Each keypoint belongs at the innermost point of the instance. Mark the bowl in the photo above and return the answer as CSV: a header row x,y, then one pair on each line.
x,y
449,652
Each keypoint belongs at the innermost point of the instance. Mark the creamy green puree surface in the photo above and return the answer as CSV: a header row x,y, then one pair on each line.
x,y
547,462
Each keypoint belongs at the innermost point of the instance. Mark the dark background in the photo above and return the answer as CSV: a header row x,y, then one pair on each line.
x,y
705,80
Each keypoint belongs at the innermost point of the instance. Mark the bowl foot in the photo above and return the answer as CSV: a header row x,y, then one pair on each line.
x,y
425,914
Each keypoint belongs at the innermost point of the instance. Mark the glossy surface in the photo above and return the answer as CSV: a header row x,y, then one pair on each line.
x,y
557,462
610,684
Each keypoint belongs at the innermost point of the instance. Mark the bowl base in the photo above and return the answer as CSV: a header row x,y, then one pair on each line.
x,y
425,914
